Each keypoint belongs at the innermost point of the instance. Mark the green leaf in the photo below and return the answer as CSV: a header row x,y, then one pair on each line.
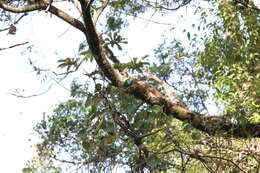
x,y
28,170
86,144
188,35
109,139
157,109
196,135
98,87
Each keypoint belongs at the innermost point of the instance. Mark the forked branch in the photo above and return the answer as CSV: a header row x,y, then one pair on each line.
x,y
141,89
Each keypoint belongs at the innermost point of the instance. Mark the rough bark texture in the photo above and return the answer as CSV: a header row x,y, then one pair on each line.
x,y
141,89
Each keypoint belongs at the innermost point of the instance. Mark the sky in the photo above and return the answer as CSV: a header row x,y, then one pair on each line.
x,y
19,115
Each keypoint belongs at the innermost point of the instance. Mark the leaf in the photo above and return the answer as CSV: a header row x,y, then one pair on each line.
x,y
196,135
86,144
157,109
28,170
188,35
109,127
98,87
119,47
82,46
102,124
109,139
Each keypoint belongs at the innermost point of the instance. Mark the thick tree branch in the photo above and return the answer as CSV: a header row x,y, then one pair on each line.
x,y
67,18
209,124
94,44
29,8
42,6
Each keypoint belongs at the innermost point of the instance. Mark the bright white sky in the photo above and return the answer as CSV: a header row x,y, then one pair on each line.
x,y
17,115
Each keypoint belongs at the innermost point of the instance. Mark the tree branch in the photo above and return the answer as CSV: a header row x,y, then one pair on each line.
x,y
168,91
29,8
67,18
15,22
153,133
248,5
19,44
94,44
99,12
42,6
198,156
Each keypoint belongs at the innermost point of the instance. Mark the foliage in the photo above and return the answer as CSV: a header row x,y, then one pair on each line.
x,y
231,61
84,132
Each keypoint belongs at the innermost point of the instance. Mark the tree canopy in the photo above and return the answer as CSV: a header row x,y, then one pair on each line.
x,y
150,114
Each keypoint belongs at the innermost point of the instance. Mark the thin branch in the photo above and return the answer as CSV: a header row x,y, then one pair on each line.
x,y
17,93
248,5
196,85
77,5
153,21
58,82
19,44
23,15
99,12
179,4
65,161
152,133
198,156
15,22
168,91
116,116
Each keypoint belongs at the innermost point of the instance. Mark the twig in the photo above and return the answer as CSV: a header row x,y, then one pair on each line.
x,y
153,133
197,156
99,12
252,6
168,91
15,22
19,44
18,94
